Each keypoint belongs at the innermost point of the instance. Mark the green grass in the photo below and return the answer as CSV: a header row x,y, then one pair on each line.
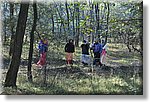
x,y
82,86
74,83
119,54
67,84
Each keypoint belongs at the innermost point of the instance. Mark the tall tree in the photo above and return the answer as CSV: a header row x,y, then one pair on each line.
x,y
97,19
52,23
11,76
107,25
5,23
12,28
29,74
77,24
66,4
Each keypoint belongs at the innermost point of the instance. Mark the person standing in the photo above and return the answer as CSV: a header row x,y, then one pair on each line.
x,y
69,49
97,48
43,47
85,58
103,55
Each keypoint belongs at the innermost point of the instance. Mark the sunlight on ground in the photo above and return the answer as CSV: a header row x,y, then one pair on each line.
x,y
77,83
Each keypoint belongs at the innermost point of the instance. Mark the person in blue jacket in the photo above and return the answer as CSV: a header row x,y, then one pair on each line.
x,y
97,49
43,47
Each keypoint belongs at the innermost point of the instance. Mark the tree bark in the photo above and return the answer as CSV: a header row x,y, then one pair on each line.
x,y
29,74
11,76
5,24
66,4
12,29
107,23
77,25
52,23
73,25
97,20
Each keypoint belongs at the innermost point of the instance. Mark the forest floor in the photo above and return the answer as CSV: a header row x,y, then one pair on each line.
x,y
123,74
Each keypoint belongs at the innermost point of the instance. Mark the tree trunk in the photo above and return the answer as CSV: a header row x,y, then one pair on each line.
x,y
77,26
92,20
97,20
29,74
73,27
12,29
52,24
5,24
107,23
141,30
67,17
11,76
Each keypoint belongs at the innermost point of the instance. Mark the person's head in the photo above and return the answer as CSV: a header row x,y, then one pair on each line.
x,y
84,41
44,40
96,40
70,40
103,41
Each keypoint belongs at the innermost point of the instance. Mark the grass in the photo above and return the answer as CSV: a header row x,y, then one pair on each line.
x,y
62,85
119,54
75,81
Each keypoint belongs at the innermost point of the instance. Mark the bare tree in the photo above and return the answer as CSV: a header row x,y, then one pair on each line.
x,y
11,76
29,74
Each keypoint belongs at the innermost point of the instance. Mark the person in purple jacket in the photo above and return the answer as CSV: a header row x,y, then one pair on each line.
x,y
97,48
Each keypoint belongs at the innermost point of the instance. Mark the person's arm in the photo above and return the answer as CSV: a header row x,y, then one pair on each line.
x,y
105,47
73,48
92,47
39,45
66,47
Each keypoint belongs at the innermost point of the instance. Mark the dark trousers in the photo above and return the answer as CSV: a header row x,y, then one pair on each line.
x,y
96,58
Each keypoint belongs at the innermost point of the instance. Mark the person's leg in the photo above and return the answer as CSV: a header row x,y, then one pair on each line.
x,y
67,62
71,62
67,58
39,62
104,59
44,58
82,59
86,59
97,57
71,58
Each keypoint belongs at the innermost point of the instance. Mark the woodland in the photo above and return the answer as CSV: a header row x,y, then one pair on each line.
x,y
119,24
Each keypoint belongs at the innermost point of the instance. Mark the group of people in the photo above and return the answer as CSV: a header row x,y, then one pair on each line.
x,y
98,48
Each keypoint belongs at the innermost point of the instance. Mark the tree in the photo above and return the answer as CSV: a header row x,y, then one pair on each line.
x,y
66,4
107,23
5,23
12,29
77,24
29,74
11,76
